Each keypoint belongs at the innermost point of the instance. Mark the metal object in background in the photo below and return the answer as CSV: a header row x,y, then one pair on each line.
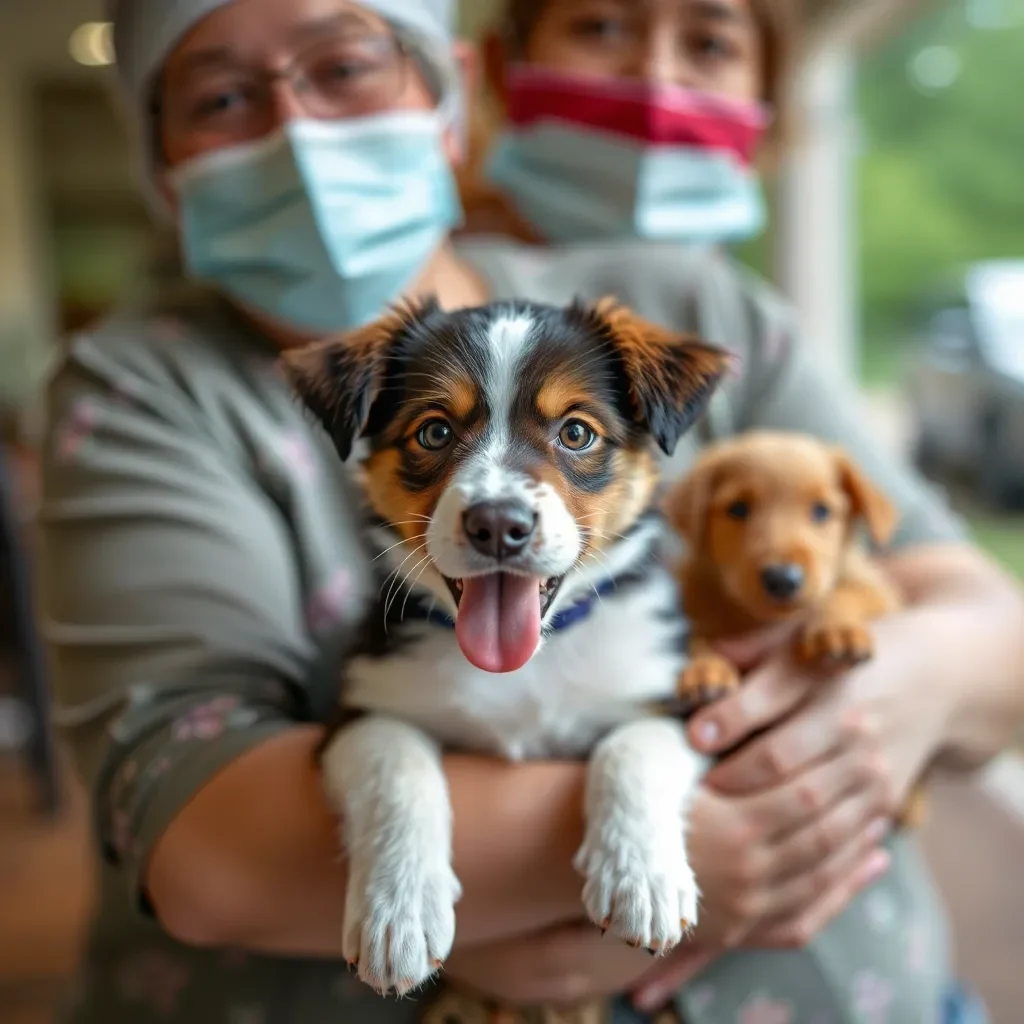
x,y
966,381
20,646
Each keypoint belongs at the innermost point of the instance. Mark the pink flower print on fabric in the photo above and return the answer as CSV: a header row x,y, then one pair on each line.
x,y
299,457
205,722
76,429
154,979
762,1009
871,995
328,605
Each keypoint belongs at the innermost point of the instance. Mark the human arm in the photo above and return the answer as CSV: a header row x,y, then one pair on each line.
x,y
190,676
951,591
265,875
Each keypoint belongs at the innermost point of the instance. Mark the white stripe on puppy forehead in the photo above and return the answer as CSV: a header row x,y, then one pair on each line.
x,y
508,345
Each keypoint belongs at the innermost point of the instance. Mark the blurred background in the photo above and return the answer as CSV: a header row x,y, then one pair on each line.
x,y
897,229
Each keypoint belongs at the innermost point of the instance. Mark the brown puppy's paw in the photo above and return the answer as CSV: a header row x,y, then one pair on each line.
x,y
912,814
708,678
836,644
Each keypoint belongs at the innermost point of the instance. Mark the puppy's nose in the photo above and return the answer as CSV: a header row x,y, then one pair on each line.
x,y
782,582
499,529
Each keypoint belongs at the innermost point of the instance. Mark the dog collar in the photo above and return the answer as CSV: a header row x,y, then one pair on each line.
x,y
563,620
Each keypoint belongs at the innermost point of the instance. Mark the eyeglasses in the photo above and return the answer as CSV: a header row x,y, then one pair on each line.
x,y
350,75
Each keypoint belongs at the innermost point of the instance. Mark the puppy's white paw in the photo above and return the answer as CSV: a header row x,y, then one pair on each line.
x,y
399,921
638,884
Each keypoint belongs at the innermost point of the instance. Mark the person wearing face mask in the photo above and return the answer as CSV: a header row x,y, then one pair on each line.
x,y
627,140
624,122
201,567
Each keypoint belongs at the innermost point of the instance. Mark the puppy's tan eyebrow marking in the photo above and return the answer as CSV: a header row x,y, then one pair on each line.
x,y
561,395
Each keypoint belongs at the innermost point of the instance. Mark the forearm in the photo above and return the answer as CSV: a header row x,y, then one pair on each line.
x,y
253,861
971,646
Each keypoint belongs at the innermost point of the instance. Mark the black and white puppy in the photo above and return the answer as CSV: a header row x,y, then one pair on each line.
x,y
511,473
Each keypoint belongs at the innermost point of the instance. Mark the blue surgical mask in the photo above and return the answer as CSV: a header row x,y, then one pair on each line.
x,y
590,159
323,224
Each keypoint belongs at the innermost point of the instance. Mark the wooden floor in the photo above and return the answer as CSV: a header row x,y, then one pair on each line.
x,y
45,897
976,849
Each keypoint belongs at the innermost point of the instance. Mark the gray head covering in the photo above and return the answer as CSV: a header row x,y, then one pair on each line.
x,y
146,31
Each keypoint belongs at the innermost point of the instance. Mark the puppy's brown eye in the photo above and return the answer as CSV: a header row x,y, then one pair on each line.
x,y
738,510
821,513
576,436
435,436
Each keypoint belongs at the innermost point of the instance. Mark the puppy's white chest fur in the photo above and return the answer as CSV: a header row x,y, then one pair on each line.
x,y
584,681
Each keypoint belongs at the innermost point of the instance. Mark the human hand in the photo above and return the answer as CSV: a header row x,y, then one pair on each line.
x,y
776,866
565,965
883,720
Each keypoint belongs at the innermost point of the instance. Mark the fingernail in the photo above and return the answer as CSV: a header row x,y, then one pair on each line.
x,y
708,733
876,866
878,829
649,1000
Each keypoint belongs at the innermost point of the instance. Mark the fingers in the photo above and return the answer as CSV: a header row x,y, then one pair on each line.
x,y
853,823
749,651
805,803
801,930
768,694
807,888
668,977
812,734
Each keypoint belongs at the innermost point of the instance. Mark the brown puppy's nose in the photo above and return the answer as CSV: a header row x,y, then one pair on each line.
x,y
782,582
499,529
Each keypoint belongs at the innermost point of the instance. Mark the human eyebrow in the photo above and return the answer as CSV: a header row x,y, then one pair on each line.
x,y
720,11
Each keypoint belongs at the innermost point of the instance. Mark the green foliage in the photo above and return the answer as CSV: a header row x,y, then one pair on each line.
x,y
942,174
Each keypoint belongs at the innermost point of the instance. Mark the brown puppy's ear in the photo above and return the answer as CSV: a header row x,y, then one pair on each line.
x,y
671,376
686,505
339,379
867,502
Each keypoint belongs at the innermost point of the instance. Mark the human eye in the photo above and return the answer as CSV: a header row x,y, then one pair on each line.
x,y
602,24
349,63
220,102
711,47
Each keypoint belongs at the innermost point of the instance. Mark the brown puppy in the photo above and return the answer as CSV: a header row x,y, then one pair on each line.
x,y
771,524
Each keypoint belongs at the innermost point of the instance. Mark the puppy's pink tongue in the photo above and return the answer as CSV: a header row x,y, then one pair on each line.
x,y
498,625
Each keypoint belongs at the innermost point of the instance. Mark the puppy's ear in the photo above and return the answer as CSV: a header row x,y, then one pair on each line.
x,y
686,505
671,376
867,502
339,379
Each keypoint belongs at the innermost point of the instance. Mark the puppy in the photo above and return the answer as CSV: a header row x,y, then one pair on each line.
x,y
770,523
511,475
